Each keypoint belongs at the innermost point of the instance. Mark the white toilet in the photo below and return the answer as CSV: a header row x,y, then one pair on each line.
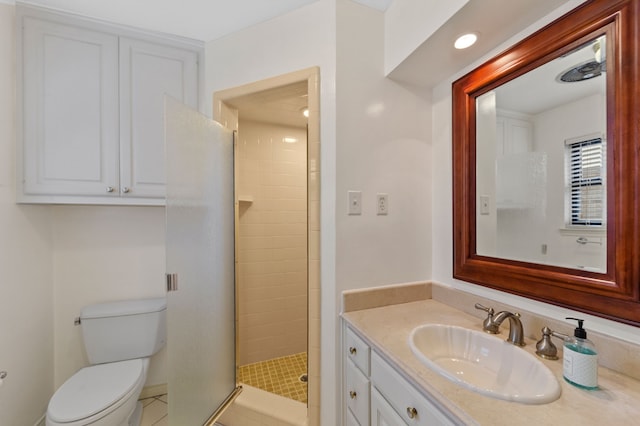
x,y
119,338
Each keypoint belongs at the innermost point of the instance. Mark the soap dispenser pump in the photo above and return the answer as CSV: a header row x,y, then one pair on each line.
x,y
580,359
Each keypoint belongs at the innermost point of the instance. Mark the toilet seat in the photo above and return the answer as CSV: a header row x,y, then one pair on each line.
x,y
96,391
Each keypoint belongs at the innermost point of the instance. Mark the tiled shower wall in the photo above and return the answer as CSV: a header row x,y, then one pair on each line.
x,y
272,250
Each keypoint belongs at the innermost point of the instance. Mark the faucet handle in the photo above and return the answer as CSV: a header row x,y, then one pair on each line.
x,y
545,347
488,324
490,311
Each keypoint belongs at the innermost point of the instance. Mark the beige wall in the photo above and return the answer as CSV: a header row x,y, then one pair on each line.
x,y
101,254
272,247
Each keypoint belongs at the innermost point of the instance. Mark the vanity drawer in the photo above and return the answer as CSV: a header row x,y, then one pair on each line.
x,y
357,393
357,351
413,407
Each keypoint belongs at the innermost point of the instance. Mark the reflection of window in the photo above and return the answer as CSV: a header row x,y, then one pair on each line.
x,y
586,190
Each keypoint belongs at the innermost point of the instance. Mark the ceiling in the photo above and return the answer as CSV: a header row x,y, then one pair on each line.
x,y
204,20
495,21
282,105
539,90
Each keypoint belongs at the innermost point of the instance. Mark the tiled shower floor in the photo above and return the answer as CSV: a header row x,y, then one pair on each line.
x,y
279,375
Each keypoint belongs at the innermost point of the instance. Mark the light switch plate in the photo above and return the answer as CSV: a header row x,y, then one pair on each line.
x,y
484,204
355,202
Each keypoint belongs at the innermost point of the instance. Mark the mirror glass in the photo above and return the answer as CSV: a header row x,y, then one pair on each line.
x,y
540,163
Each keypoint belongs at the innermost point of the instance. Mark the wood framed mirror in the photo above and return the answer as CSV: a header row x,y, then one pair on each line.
x,y
538,262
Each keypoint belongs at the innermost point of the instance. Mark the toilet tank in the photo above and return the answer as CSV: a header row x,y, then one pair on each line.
x,y
127,329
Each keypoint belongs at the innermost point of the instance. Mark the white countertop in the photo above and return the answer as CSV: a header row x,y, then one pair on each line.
x,y
386,329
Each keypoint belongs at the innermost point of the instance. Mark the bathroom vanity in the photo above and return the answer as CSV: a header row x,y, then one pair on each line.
x,y
386,384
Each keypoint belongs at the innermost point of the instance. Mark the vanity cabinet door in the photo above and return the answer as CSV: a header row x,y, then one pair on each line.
x,y
357,393
148,71
70,110
351,420
382,414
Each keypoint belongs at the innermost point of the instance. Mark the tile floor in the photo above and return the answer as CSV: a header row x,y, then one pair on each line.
x,y
155,411
278,375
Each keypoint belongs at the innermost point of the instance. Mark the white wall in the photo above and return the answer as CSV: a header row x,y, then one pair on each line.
x,y
299,40
26,308
442,202
583,117
55,260
382,147
102,254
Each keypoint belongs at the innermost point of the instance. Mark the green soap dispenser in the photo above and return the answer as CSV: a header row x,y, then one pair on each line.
x,y
580,359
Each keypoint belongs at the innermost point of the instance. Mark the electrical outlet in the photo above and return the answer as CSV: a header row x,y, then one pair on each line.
x,y
355,202
383,204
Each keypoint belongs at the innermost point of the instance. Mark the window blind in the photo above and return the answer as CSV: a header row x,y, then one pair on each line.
x,y
586,182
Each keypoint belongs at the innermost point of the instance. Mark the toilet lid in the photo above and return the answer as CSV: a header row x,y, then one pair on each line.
x,y
94,389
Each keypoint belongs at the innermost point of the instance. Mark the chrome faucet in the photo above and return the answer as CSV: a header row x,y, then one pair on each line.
x,y
491,324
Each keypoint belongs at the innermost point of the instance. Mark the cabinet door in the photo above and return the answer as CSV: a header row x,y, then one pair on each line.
x,y
351,420
70,110
148,71
357,393
382,414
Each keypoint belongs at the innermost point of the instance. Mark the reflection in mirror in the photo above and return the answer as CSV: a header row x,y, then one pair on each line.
x,y
540,172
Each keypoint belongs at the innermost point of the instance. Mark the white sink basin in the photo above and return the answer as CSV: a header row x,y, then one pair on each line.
x,y
484,363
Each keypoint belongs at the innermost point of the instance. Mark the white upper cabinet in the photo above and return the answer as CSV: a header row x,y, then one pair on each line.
x,y
92,125
70,114
148,71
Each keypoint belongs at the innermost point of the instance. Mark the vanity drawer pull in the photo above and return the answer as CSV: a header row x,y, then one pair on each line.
x,y
353,394
412,412
352,350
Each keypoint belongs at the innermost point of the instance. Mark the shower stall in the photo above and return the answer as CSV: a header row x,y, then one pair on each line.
x,y
271,256
277,246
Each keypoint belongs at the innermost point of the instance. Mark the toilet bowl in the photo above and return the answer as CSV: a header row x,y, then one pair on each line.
x,y
119,338
100,395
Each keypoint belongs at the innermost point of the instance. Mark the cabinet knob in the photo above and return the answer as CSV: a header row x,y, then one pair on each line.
x,y
353,394
412,412
352,350
110,188
126,190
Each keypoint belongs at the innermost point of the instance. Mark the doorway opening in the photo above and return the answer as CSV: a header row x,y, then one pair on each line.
x,y
277,234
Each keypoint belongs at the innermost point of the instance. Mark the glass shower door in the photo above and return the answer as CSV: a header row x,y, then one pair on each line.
x,y
200,265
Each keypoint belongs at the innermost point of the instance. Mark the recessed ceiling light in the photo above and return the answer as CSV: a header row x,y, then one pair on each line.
x,y
465,40
305,112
